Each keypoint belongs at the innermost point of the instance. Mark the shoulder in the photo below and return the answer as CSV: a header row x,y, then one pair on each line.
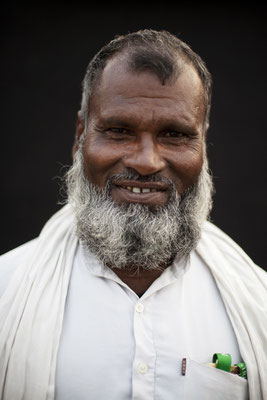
x,y
214,240
223,243
11,260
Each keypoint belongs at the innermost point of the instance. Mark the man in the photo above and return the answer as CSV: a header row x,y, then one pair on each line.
x,y
128,291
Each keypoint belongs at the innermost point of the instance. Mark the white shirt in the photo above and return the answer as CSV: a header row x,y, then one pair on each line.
x,y
117,346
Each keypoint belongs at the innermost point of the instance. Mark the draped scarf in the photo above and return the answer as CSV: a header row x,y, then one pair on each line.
x,y
32,308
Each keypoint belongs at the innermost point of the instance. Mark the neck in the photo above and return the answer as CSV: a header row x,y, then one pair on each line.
x,y
138,279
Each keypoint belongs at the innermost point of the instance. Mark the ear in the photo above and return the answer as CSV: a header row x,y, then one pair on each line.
x,y
78,132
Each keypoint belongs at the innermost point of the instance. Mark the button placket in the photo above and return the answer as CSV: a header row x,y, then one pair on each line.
x,y
144,361
142,368
139,307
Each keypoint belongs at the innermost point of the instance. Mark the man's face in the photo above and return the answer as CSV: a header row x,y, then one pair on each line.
x,y
138,125
143,150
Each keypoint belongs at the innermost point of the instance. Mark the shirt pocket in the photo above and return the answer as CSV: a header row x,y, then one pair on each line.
x,y
203,382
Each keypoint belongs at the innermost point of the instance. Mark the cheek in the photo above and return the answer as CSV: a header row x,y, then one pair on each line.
x,y
187,168
192,166
98,161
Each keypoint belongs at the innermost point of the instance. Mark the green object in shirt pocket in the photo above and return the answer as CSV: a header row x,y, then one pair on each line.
x,y
203,382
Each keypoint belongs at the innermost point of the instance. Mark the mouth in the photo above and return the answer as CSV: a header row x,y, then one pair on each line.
x,y
136,189
148,193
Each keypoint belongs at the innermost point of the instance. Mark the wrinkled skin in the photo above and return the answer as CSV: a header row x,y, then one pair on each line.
x,y
137,124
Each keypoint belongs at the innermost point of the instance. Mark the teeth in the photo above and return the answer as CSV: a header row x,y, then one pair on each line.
x,y
136,190
139,190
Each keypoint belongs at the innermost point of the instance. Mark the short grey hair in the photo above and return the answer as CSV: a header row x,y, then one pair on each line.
x,y
156,51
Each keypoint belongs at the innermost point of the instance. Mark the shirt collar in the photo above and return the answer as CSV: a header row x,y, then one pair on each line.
x,y
174,272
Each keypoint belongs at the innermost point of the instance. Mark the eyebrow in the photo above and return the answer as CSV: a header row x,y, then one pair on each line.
x,y
130,122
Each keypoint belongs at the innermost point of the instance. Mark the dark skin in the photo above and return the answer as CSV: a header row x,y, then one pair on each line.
x,y
137,124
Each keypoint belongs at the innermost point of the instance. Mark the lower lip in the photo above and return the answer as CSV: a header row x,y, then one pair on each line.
x,y
121,195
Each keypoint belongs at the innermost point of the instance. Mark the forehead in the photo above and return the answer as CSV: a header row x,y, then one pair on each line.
x,y
121,91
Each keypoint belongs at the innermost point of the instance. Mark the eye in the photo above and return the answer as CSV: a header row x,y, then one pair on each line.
x,y
174,137
117,133
117,130
174,134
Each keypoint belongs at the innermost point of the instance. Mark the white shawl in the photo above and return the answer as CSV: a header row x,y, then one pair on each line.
x,y
31,313
32,309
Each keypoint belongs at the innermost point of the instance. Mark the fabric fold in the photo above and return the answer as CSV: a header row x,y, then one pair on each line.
x,y
243,287
31,313
32,308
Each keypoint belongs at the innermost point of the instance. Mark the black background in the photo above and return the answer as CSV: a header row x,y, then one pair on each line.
x,y
45,49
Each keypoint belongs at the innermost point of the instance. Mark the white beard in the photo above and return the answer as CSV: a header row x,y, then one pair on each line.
x,y
136,236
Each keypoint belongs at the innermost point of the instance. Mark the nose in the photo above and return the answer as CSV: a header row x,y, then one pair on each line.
x,y
145,157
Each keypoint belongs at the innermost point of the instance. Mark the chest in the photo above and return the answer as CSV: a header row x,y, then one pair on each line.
x,y
116,346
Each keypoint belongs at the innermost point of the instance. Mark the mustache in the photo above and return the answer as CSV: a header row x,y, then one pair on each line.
x,y
134,176
149,178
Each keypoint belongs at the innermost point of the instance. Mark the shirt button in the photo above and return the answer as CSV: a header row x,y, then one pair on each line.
x,y
142,368
139,307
